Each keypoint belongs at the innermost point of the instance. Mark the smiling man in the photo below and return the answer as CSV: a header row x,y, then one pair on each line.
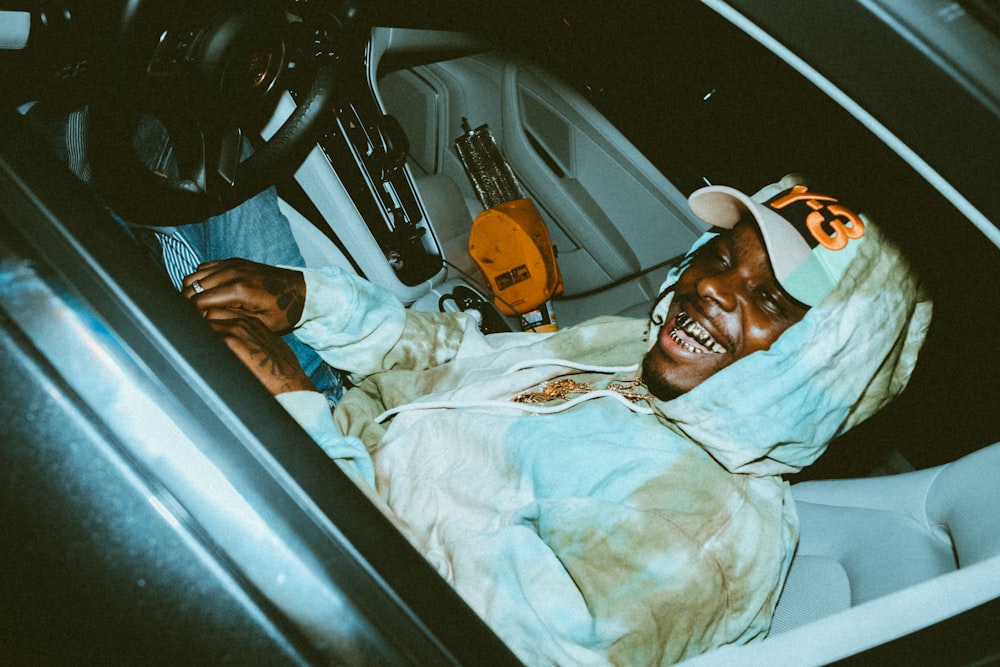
x,y
726,305
743,288
610,493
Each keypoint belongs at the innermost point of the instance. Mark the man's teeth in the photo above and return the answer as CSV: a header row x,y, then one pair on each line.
x,y
684,323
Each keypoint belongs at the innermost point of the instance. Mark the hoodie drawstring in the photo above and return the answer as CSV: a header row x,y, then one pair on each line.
x,y
535,408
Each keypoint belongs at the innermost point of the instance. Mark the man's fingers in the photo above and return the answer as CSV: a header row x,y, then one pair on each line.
x,y
215,262
220,293
199,282
275,296
226,322
212,274
221,314
220,285
239,333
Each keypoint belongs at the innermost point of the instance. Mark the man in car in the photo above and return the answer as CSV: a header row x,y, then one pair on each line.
x,y
611,492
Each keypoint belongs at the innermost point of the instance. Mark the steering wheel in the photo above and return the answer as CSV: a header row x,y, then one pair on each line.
x,y
205,71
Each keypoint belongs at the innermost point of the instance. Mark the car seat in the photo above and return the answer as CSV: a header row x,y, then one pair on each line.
x,y
864,538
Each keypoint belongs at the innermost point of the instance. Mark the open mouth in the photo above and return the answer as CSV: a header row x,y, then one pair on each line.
x,y
693,337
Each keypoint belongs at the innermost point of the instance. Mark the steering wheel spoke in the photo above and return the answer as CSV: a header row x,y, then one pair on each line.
x,y
229,151
207,156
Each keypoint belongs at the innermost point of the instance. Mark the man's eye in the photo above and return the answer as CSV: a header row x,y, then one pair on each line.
x,y
720,259
714,255
770,300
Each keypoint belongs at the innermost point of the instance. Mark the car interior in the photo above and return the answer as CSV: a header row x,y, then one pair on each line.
x,y
607,131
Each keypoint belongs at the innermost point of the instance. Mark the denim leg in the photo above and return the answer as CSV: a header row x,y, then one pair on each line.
x,y
256,230
327,380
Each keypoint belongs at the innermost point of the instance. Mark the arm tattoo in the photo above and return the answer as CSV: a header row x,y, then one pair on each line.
x,y
286,294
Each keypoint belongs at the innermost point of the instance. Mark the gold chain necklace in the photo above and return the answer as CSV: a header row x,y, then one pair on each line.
x,y
631,388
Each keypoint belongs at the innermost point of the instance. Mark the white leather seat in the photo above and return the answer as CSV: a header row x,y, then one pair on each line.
x,y
451,214
864,538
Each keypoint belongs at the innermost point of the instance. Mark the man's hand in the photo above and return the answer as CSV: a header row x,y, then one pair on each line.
x,y
266,355
239,287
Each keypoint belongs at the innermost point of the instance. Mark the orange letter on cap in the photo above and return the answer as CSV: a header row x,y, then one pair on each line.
x,y
798,193
855,228
845,224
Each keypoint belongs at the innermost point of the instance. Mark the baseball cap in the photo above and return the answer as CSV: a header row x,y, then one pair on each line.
x,y
810,237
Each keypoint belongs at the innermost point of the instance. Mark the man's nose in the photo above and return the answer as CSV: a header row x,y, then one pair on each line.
x,y
720,288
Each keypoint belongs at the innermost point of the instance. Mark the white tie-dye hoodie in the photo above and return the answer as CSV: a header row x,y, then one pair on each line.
x,y
598,531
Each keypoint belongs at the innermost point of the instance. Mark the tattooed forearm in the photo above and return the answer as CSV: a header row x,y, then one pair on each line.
x,y
267,356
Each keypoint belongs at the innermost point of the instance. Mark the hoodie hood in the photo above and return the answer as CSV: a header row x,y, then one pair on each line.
x,y
776,411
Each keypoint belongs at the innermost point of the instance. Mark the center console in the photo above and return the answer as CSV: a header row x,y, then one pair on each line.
x,y
357,189
367,149
355,186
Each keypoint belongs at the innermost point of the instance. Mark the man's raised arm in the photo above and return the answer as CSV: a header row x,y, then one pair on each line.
x,y
354,325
